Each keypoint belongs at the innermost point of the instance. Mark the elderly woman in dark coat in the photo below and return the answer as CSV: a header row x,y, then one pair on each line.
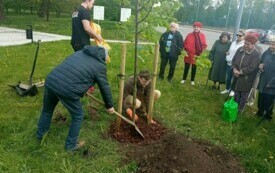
x,y
245,67
217,57
267,82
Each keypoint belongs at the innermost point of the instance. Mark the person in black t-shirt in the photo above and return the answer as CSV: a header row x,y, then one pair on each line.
x,y
81,27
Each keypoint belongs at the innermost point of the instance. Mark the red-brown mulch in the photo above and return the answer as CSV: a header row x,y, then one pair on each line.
x,y
163,151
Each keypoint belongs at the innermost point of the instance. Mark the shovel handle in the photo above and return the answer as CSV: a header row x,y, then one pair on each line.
x,y
118,114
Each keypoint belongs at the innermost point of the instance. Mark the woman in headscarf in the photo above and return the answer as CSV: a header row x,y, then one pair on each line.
x,y
194,45
217,57
245,67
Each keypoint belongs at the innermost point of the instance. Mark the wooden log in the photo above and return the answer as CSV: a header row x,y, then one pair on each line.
x,y
121,84
153,84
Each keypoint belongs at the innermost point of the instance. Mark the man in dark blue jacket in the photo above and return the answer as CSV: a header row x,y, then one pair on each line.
x,y
67,83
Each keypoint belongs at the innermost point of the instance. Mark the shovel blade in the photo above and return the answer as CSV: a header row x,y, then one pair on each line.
x,y
24,86
31,91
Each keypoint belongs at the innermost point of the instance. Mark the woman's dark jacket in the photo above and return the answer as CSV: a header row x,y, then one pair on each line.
x,y
176,45
268,74
248,64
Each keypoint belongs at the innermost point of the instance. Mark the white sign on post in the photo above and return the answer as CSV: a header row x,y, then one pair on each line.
x,y
98,13
125,14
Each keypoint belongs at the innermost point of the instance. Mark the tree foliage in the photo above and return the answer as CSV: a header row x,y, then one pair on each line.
x,y
2,15
256,13
149,17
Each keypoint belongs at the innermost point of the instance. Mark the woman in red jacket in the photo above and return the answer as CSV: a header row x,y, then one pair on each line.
x,y
194,45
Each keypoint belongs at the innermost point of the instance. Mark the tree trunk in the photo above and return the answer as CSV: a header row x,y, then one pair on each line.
x,y
2,14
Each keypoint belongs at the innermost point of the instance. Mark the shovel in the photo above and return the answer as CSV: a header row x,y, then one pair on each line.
x,y
118,114
28,89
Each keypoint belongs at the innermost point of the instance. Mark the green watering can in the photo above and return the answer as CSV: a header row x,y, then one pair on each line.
x,y
230,110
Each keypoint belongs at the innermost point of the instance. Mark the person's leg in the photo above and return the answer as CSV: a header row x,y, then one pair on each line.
x,y
76,111
163,63
214,85
229,74
50,101
237,97
268,106
243,100
261,100
128,101
172,63
185,71
193,73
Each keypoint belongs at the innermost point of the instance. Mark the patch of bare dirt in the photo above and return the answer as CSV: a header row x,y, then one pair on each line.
x,y
163,151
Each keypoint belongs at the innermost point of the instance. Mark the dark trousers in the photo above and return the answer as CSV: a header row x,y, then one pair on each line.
x,y
265,104
229,75
193,71
163,63
241,98
74,107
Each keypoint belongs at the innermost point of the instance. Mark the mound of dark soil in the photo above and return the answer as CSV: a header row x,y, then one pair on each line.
x,y
163,151
128,134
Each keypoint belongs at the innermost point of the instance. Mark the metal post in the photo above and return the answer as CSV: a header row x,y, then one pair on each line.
x,y
239,18
228,13
250,12
197,15
248,20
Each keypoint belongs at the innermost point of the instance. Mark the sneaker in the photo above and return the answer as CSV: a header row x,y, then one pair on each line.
x,y
160,78
225,91
259,114
182,81
268,117
192,83
79,145
170,80
231,94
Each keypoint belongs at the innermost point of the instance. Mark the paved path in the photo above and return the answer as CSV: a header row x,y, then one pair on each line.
x,y
11,36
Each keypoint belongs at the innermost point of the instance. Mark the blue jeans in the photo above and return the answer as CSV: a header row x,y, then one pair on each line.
x,y
229,74
74,107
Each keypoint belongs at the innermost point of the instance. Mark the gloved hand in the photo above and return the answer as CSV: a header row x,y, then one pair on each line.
x,y
129,112
91,89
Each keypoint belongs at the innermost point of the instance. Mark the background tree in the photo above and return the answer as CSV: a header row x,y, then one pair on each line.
x,y
2,14
149,17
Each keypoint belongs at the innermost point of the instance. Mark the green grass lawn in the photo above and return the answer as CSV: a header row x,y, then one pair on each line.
x,y
192,110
